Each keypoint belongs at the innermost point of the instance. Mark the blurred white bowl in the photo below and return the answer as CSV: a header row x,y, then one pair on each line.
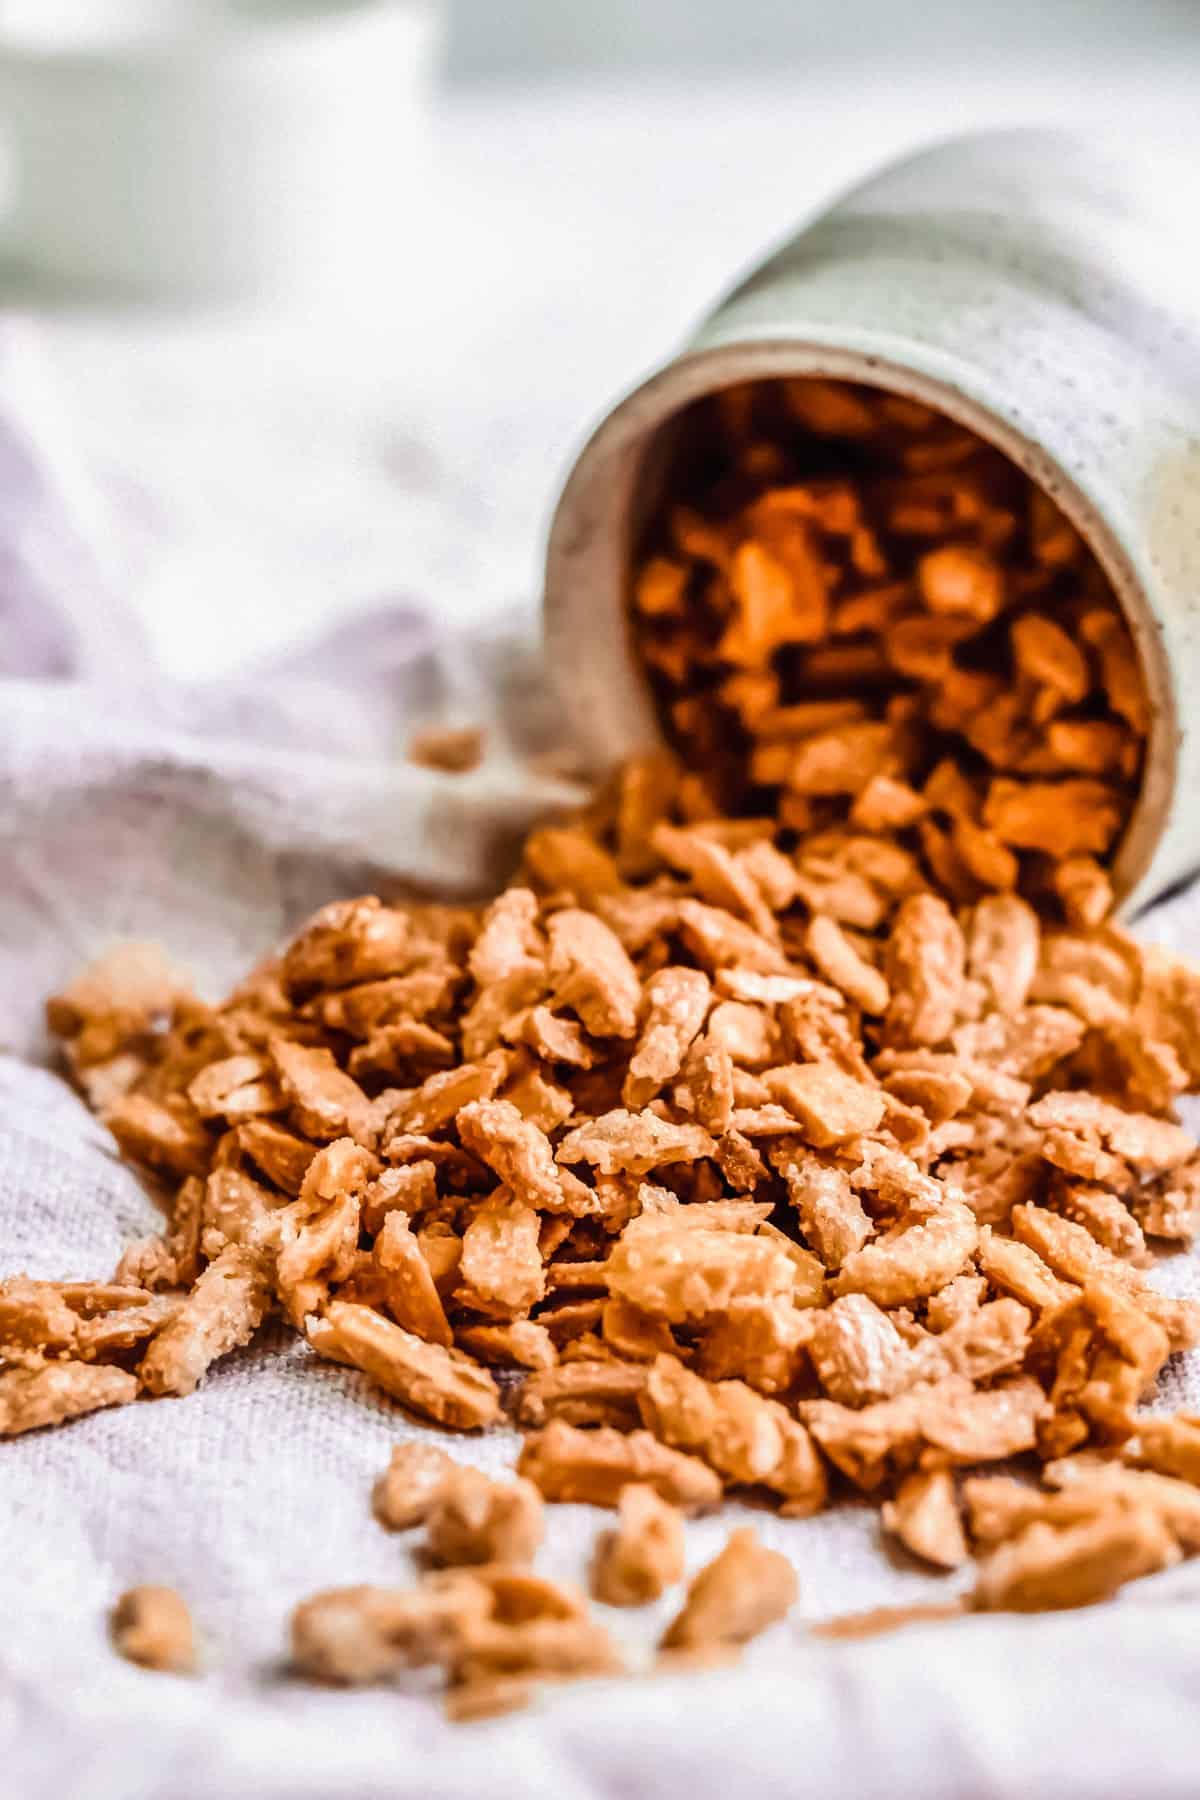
x,y
208,148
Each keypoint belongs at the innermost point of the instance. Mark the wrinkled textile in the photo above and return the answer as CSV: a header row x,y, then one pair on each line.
x,y
214,820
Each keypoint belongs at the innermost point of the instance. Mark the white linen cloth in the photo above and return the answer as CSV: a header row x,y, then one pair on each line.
x,y
213,819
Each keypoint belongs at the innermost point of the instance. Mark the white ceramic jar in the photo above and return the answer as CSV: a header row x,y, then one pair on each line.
x,y
1032,286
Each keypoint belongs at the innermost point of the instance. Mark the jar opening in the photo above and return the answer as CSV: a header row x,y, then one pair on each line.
x,y
855,613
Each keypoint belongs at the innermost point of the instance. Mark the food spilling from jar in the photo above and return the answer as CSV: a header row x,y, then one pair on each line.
x,y
860,619
794,1125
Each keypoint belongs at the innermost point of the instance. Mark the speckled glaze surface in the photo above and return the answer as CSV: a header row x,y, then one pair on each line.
x,y
1027,284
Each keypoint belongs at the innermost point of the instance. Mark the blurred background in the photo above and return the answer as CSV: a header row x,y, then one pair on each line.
x,y
575,181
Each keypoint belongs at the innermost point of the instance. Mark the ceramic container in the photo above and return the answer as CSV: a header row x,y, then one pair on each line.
x,y
207,149
1033,287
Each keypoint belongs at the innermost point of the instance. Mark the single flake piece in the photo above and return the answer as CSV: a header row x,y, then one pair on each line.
x,y
857,1352
406,1281
1042,1569
984,1425
358,1635
1170,1445
836,957
748,1440
473,1519
677,1000
1085,891
707,1086
516,1149
509,941
622,1142
831,1105
324,1101
689,1273
519,1343
566,859
924,1516
440,1384
1105,1215
1076,817
742,1591
222,1312
634,1335
960,579
985,1341
237,1087
925,970
1002,949
152,1626
501,1266
540,1102
441,1097
830,1213
1016,1268
940,1094
236,1209
551,1036
166,1136
759,1341
1043,652
719,941
750,1034
644,1555
568,1464
51,1393
347,942
912,1260
591,973
281,1155
402,1495
583,1392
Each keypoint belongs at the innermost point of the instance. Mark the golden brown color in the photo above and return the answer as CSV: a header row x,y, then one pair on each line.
x,y
772,1151
152,1626
859,618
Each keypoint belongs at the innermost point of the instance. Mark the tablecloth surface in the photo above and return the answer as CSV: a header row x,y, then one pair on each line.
x,y
213,815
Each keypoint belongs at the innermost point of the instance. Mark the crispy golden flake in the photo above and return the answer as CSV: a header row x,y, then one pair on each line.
x,y
924,1516
742,1591
153,1627
568,1464
473,1519
222,1312
50,1393
402,1495
644,1554
440,1384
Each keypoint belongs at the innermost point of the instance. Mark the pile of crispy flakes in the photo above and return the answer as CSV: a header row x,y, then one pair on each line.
x,y
853,611
721,1152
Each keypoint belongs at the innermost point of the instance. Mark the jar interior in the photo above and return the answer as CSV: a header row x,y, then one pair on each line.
x,y
856,615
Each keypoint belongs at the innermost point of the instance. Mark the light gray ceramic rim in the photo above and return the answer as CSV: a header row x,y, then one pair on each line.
x,y
589,649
